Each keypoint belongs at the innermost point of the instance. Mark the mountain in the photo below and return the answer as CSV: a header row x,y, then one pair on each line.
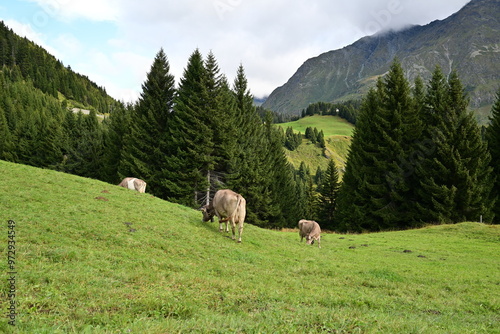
x,y
466,41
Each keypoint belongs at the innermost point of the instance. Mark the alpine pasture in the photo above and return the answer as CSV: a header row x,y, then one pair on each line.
x,y
91,257
337,133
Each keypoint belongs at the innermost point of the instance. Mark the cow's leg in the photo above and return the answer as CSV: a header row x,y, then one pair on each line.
x,y
224,220
221,221
233,228
240,231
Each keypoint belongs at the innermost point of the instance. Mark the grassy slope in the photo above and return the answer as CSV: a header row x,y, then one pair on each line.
x,y
82,269
331,125
337,133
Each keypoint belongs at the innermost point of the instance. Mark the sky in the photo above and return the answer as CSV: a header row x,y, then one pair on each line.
x,y
114,42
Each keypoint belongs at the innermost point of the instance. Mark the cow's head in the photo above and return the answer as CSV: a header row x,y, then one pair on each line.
x,y
208,212
309,240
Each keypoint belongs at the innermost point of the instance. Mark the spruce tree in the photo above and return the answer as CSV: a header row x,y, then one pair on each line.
x,y
354,211
455,179
247,167
260,170
279,178
192,135
328,196
146,145
474,177
493,138
221,109
377,187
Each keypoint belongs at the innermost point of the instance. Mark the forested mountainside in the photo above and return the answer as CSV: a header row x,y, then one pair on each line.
x,y
31,62
467,42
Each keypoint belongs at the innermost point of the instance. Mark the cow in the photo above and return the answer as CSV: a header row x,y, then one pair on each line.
x,y
133,183
229,207
310,230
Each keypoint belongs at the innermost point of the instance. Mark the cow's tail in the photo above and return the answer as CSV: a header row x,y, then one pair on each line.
x,y
236,210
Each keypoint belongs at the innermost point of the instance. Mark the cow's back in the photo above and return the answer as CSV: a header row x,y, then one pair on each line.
x,y
225,202
305,226
230,207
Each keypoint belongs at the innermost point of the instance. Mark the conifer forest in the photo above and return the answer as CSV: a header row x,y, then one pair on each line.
x,y
417,154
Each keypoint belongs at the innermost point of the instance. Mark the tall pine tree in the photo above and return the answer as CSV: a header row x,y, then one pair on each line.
x,y
378,179
192,135
454,172
247,165
147,145
221,108
328,196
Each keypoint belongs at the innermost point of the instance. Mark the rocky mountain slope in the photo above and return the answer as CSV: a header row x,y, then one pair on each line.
x,y
467,41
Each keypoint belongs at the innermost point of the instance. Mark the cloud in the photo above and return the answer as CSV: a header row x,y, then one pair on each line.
x,y
70,44
25,30
270,38
121,73
68,10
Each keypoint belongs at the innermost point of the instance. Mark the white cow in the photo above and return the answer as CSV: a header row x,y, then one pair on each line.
x,y
310,230
230,207
133,183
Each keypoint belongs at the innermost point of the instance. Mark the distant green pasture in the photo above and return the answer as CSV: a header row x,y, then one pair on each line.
x,y
331,125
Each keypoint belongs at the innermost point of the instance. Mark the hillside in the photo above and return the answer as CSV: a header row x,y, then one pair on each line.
x,y
91,257
33,63
337,133
467,41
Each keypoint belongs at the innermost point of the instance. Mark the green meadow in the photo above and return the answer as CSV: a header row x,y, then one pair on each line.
x,y
91,257
337,133
331,125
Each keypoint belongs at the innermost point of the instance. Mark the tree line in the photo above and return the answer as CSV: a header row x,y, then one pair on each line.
x,y
417,157
348,110
293,140
185,141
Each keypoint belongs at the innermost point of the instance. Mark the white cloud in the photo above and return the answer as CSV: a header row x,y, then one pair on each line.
x,y
93,10
25,30
270,38
69,44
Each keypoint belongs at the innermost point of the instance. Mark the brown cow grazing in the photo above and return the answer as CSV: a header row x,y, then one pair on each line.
x,y
310,230
230,207
133,184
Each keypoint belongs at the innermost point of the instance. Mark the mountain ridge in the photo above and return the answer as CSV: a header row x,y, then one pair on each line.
x,y
466,41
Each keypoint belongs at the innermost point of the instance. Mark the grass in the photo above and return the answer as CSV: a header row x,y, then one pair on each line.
x,y
337,148
95,258
331,125
337,133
